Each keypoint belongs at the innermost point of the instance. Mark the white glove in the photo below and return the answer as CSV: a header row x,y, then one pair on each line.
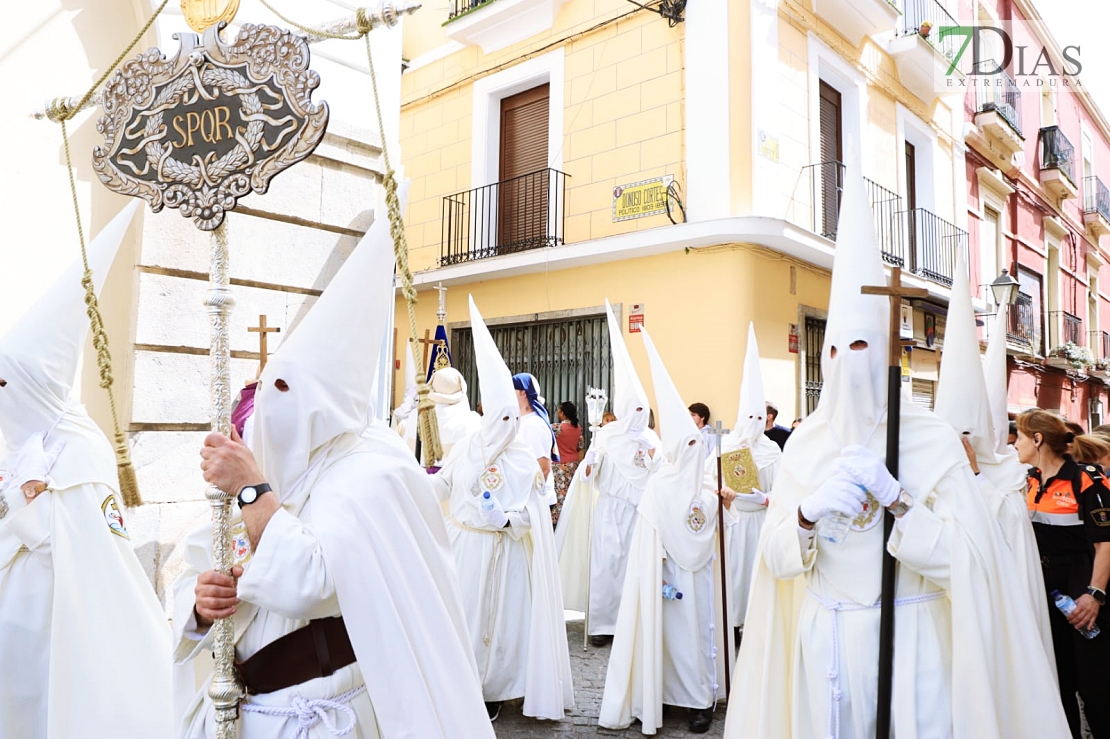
x,y
838,494
755,496
496,516
591,457
868,469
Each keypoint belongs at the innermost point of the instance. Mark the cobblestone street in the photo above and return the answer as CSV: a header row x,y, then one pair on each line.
x,y
588,668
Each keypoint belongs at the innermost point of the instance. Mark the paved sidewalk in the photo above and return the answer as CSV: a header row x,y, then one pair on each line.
x,y
588,668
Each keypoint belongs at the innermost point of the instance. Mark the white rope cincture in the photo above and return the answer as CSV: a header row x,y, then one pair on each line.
x,y
310,712
836,606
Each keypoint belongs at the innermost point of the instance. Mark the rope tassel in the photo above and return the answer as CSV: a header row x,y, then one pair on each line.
x,y
427,426
128,482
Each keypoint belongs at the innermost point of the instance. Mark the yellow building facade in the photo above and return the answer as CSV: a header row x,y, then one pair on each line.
x,y
749,108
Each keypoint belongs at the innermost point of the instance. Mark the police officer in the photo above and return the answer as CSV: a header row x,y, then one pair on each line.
x,y
1069,505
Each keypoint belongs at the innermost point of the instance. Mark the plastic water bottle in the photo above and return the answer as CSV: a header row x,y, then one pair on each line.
x,y
1067,607
487,501
835,526
670,592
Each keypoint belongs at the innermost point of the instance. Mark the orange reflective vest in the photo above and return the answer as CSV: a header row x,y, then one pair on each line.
x,y
1058,503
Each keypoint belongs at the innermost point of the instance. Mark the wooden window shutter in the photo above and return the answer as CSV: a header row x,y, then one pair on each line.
x,y
831,153
523,191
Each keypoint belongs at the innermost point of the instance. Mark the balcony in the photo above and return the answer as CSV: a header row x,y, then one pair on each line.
x,y
917,240
922,57
1021,328
856,19
1105,345
1057,162
497,24
1064,328
1096,207
998,106
931,245
510,216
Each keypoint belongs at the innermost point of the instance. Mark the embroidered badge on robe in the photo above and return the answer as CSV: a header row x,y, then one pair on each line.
x,y
870,516
113,517
491,479
240,544
696,519
640,460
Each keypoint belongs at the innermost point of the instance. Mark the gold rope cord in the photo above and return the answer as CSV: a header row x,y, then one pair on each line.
x,y
61,112
128,484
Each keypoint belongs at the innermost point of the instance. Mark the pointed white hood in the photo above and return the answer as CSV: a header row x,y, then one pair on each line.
x,y
500,407
853,398
630,402
994,368
962,398
330,383
38,362
674,502
751,415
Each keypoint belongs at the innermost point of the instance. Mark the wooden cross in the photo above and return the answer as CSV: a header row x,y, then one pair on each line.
x,y
896,292
428,341
262,329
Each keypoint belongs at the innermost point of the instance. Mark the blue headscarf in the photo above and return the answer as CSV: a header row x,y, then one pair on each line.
x,y
527,383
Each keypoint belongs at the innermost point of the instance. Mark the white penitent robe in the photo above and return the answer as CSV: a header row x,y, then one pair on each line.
x,y
744,521
593,579
1004,485
508,577
83,640
455,421
343,552
962,664
667,651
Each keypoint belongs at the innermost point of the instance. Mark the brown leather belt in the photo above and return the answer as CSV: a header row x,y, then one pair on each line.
x,y
317,650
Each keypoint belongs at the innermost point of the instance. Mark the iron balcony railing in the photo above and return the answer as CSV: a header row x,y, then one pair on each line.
x,y
1057,152
925,18
996,91
1021,328
455,8
1105,346
1096,198
826,183
1070,328
519,214
931,245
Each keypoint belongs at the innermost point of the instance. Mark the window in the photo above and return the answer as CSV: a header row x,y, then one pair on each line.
x,y
831,134
1048,107
523,193
814,380
990,243
1025,329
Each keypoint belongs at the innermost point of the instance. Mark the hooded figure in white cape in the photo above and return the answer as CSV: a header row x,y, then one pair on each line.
x,y
599,512
404,416
964,402
505,551
665,650
358,534
453,415
808,665
83,639
745,515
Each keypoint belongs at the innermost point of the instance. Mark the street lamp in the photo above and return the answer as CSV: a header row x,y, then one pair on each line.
x,y
1005,289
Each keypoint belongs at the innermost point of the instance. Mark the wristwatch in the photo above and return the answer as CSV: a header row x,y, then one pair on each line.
x,y
902,505
250,493
1098,594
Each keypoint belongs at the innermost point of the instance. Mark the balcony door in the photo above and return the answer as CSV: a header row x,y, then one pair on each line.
x,y
523,190
832,154
911,206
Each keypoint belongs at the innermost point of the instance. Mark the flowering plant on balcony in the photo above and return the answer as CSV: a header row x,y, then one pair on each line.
x,y
1101,368
1073,355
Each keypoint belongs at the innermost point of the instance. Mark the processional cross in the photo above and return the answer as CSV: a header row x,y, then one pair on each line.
x,y
895,292
428,341
262,329
718,430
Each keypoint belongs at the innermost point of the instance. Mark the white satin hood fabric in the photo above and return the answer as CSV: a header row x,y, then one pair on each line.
x,y
38,360
675,489
630,402
500,408
994,367
751,413
448,386
962,398
853,397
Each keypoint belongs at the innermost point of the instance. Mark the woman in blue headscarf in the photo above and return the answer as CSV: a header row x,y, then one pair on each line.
x,y
535,428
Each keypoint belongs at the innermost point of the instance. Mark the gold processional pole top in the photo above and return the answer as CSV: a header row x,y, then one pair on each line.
x,y
200,14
